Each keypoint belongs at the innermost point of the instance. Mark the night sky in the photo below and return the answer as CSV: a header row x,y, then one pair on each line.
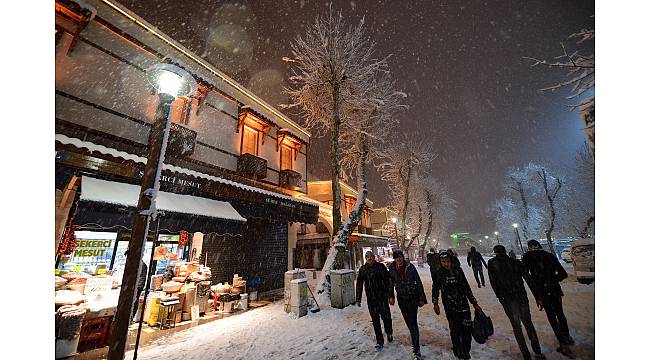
x,y
460,62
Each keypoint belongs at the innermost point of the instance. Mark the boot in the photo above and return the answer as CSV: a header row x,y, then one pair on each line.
x,y
566,351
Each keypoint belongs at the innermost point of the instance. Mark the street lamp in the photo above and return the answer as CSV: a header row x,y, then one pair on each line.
x,y
496,233
516,226
170,81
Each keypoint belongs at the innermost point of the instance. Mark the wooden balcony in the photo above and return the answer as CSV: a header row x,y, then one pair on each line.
x,y
290,179
251,166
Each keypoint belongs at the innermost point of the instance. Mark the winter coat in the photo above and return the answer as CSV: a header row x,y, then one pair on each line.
x,y
474,259
455,262
376,281
455,290
433,259
506,275
545,273
410,289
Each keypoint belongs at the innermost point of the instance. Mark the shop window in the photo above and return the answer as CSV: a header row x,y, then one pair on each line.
x,y
286,158
249,143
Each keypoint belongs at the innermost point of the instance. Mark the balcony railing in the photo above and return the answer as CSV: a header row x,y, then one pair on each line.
x,y
290,179
251,166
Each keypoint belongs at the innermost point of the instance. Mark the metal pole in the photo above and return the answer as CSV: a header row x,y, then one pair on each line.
x,y
519,239
141,220
147,285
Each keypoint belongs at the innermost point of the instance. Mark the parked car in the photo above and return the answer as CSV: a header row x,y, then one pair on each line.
x,y
566,255
583,254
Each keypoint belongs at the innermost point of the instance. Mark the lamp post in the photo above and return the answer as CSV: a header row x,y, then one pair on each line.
x,y
496,233
170,81
516,226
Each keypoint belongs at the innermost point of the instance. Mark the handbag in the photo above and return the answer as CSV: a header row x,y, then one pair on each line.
x,y
482,327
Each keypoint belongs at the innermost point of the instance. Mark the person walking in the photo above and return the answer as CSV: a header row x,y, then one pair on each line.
x,y
506,276
433,259
410,295
375,279
546,272
451,281
476,262
454,259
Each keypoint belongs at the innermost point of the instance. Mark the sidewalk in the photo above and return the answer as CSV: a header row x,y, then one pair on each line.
x,y
149,334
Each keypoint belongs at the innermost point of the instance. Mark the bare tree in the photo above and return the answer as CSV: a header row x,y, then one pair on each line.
x,y
362,139
439,210
581,71
578,206
551,186
332,64
518,184
400,165
581,74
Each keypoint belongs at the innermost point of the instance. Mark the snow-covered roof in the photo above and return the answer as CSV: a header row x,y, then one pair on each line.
x,y
112,192
81,144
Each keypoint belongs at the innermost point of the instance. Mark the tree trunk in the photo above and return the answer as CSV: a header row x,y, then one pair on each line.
x,y
427,234
551,204
402,236
334,160
340,241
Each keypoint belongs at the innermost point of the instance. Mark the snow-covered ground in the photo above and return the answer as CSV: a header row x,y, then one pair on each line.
x,y
269,333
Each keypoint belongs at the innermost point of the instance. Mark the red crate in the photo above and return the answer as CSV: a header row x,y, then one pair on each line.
x,y
94,333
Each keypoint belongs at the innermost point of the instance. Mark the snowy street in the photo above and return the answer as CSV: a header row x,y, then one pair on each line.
x,y
270,333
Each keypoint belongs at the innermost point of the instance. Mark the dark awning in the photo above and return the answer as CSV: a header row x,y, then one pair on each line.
x,y
110,204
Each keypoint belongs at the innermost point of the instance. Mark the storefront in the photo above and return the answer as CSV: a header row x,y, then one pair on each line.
x,y
237,235
360,243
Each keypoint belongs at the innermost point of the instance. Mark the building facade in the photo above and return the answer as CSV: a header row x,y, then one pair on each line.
x,y
313,241
227,148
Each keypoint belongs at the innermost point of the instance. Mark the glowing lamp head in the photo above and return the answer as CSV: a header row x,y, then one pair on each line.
x,y
394,220
486,237
171,80
496,233
515,225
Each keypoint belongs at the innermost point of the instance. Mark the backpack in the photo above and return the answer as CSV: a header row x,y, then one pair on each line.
x,y
482,327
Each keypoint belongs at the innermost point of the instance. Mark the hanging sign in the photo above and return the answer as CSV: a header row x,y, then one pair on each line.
x,y
98,284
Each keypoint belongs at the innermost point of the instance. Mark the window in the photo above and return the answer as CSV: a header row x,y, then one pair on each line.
x,y
249,140
286,158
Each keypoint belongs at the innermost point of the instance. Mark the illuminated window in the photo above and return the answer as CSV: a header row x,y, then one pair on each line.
x,y
286,158
249,140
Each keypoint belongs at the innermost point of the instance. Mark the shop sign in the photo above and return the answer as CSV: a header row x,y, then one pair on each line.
x,y
170,179
279,202
93,248
98,284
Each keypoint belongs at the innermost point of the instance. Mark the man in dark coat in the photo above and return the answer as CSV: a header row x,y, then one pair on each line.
x,y
454,259
374,277
546,272
476,262
433,259
506,276
451,281
410,295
